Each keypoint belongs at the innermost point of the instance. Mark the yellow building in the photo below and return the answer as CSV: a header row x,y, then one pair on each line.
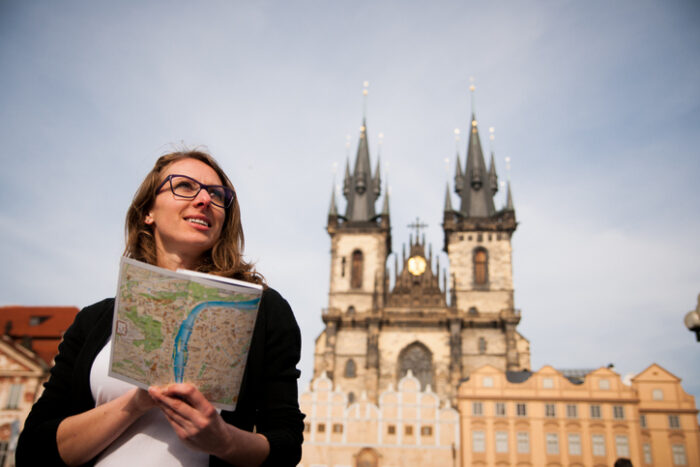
x,y
552,417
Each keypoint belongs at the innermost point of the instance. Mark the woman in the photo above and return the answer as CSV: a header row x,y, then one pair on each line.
x,y
184,215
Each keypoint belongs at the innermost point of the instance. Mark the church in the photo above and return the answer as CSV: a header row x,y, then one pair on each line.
x,y
417,366
414,324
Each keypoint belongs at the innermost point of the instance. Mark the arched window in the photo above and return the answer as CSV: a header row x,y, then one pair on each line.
x,y
350,368
482,345
367,457
417,358
481,267
356,271
351,397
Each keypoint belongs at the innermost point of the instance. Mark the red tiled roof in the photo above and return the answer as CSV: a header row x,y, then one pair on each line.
x,y
43,325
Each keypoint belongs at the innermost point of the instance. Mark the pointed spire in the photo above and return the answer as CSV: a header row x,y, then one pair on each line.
x,y
493,177
458,172
385,206
377,181
509,200
448,199
476,193
360,188
347,180
333,210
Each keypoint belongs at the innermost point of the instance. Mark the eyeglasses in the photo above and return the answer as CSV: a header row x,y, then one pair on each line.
x,y
183,186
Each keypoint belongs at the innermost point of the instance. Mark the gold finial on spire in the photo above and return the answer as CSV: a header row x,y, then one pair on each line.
x,y
381,141
457,132
472,88
508,167
347,145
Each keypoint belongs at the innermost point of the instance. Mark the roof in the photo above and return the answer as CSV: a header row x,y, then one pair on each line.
x,y
42,327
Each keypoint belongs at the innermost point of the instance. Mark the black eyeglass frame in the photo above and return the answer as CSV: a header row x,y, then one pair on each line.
x,y
229,193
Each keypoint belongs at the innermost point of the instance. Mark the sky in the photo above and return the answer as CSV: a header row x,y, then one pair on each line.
x,y
595,103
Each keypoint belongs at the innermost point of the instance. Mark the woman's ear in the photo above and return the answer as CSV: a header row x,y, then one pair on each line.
x,y
149,219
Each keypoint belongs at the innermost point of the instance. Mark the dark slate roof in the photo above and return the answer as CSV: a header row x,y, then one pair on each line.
x,y
476,190
518,376
361,189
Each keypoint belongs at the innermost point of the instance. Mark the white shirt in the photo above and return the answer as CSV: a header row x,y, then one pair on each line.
x,y
150,440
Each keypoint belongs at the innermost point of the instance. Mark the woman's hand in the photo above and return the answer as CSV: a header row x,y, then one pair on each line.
x,y
81,437
197,423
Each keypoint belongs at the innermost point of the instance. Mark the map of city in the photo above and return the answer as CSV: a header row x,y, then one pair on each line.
x,y
182,327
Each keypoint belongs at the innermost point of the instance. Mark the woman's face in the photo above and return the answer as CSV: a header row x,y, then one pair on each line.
x,y
184,228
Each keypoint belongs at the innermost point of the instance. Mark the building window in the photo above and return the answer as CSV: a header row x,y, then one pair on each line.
x,y
307,427
417,358
501,441
426,430
548,383
673,421
487,382
550,410
552,440
598,445
351,397
679,457
574,444
604,384
643,421
618,412
408,430
646,447
595,412
478,441
337,428
14,396
500,409
521,409
342,267
350,368
622,446
356,270
482,345
477,409
391,430
481,269
523,440
321,428
657,394
571,411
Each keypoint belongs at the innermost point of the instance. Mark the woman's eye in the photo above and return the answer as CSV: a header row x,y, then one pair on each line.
x,y
216,195
184,185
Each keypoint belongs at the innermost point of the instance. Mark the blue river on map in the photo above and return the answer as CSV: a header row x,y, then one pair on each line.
x,y
180,352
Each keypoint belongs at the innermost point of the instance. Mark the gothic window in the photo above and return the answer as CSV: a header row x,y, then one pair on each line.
x,y
482,345
481,271
350,368
342,267
351,310
417,358
351,397
356,271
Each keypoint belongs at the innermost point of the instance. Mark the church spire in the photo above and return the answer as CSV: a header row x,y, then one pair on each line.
x,y
477,192
509,200
448,200
361,189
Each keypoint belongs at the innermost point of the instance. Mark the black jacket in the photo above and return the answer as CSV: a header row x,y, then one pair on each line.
x,y
268,399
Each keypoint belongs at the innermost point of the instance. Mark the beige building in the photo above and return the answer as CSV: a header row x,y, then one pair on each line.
x,y
552,417
408,426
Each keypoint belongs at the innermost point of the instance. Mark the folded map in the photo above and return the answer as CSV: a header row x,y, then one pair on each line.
x,y
182,326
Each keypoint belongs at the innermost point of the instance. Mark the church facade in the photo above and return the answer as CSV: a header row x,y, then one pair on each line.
x,y
399,328
440,327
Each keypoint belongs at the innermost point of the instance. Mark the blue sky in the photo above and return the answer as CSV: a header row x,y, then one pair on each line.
x,y
596,103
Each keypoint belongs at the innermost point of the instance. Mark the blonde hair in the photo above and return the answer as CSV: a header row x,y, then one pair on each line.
x,y
225,258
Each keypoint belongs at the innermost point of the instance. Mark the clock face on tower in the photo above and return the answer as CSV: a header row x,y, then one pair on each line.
x,y
416,265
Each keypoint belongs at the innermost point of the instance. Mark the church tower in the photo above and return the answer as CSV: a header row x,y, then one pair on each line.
x,y
347,350
478,245
422,321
